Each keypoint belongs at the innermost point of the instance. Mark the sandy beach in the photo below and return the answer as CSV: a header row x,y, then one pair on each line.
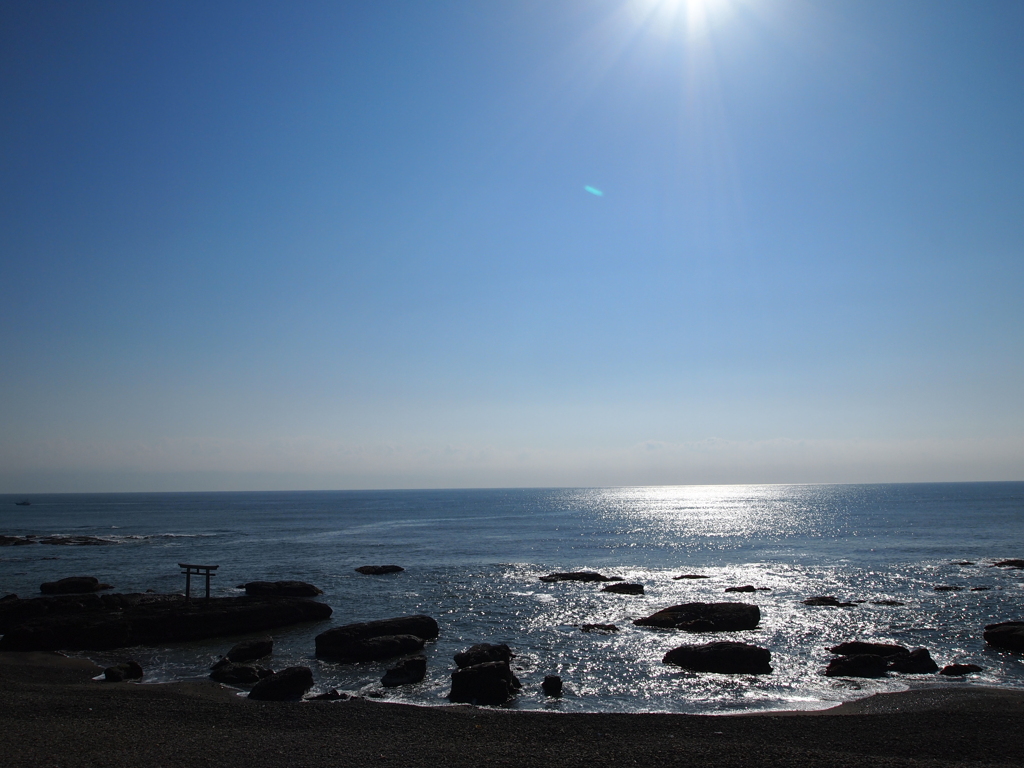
x,y
53,714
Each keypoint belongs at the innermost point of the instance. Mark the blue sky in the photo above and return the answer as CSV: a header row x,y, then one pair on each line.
x,y
349,245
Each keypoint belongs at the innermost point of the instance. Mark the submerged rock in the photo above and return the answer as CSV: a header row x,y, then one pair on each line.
x,y
623,588
379,570
281,589
690,576
365,641
73,585
828,601
287,685
577,576
705,617
723,657
406,672
1008,635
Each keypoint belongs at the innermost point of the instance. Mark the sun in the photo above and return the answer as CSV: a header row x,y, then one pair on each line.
x,y
692,16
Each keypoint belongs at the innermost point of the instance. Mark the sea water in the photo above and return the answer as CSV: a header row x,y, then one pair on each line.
x,y
473,559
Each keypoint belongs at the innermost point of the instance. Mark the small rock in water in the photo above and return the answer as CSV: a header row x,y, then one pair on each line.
x,y
705,617
599,628
623,588
828,601
239,674
959,670
552,685
947,588
887,602
980,589
690,576
577,576
379,570
250,650
1013,563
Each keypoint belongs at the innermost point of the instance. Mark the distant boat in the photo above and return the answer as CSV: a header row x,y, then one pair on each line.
x,y
23,503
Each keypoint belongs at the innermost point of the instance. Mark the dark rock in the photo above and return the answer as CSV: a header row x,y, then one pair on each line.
x,y
917,662
379,648
724,657
72,585
858,647
481,653
705,617
963,562
958,670
8,598
858,665
828,601
690,576
287,685
744,588
887,602
104,622
1008,635
239,674
577,576
622,588
489,683
407,672
599,628
1013,563
552,685
378,570
74,541
945,588
248,650
15,541
348,643
980,589
126,670
281,589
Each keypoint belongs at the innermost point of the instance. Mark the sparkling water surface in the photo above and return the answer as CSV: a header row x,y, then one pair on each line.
x,y
473,559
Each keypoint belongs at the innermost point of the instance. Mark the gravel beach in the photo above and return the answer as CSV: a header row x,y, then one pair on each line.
x,y
53,714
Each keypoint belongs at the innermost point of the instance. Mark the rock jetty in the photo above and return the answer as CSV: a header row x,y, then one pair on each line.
x,y
104,622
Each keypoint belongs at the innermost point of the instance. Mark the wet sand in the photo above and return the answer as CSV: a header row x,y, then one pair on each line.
x,y
53,714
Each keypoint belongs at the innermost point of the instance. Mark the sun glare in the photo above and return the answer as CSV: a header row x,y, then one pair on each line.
x,y
691,16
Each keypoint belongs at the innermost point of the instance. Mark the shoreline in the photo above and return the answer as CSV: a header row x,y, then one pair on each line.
x,y
53,713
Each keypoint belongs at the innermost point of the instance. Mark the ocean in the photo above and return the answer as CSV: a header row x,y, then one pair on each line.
x,y
473,559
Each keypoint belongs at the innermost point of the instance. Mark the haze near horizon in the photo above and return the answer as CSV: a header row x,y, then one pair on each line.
x,y
260,245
